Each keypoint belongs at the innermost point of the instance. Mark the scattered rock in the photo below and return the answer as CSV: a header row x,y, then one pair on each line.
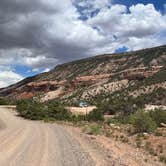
x,y
163,124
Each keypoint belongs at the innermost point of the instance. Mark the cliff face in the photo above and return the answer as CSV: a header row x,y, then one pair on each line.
x,y
92,76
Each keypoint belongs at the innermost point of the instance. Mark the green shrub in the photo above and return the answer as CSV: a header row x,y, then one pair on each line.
x,y
23,106
118,120
142,122
78,118
95,115
162,159
53,111
58,112
3,101
39,111
159,116
93,129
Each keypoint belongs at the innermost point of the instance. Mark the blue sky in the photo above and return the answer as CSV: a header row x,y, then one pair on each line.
x,y
25,71
157,3
43,34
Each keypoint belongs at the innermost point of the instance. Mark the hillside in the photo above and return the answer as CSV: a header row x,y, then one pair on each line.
x,y
138,73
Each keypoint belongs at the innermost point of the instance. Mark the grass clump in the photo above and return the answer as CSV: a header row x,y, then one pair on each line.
x,y
93,129
162,159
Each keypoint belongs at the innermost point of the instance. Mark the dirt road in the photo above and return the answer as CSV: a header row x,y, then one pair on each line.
x,y
34,143
31,143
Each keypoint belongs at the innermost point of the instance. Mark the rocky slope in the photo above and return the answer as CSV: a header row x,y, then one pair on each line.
x,y
136,73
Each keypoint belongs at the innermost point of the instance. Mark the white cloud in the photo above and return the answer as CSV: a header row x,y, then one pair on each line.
x,y
47,33
101,4
46,70
44,40
92,5
133,28
87,7
143,20
9,77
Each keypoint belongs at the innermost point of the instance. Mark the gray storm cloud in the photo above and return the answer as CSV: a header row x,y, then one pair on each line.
x,y
27,25
43,33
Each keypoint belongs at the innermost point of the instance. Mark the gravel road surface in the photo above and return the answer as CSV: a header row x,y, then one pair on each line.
x,y
33,143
